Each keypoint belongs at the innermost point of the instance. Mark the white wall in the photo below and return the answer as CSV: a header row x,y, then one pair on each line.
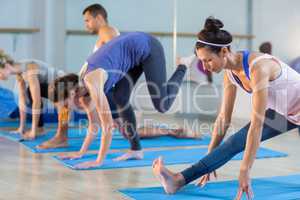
x,y
278,21
142,15
274,20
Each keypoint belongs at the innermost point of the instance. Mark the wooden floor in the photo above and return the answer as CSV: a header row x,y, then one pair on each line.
x,y
28,176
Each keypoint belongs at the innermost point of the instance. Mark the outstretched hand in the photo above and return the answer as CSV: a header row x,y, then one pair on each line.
x,y
204,179
87,165
72,156
244,186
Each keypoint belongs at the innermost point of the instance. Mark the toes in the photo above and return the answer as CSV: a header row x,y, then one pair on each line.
x,y
155,162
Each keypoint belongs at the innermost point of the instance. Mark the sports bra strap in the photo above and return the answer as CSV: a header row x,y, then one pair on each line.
x,y
246,54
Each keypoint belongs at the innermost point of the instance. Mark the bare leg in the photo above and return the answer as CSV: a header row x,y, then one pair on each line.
x,y
170,181
61,137
149,132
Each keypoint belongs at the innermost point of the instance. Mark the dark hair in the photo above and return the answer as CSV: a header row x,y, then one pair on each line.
x,y
59,89
212,33
96,9
266,47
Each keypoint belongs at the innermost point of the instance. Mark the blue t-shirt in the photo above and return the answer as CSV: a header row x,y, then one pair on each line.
x,y
120,55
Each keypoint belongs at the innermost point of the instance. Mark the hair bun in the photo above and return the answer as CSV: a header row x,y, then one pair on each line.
x,y
213,25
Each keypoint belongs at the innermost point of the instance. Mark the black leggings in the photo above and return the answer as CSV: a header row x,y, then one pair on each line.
x,y
162,92
44,94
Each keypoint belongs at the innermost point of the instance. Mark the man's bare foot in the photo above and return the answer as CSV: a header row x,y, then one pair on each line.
x,y
131,155
170,181
185,133
55,142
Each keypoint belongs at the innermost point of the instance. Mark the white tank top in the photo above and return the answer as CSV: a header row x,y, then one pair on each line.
x,y
283,92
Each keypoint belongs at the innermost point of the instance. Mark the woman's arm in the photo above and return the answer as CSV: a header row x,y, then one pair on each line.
x,y
93,129
260,76
22,103
93,126
95,81
35,91
224,118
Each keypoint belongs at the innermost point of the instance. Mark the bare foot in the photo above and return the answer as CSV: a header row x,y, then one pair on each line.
x,y
131,155
55,142
18,131
31,135
28,136
170,181
185,133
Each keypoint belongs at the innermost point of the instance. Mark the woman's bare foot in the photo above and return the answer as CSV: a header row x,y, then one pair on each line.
x,y
55,142
31,135
170,181
131,155
18,131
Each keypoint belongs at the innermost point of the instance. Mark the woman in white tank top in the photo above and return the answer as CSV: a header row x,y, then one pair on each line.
x,y
275,91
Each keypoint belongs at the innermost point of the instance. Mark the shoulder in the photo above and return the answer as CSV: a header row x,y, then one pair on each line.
x,y
260,64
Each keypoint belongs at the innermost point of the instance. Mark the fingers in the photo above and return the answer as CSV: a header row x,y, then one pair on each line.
x,y
84,165
70,157
154,163
204,180
250,194
239,194
215,174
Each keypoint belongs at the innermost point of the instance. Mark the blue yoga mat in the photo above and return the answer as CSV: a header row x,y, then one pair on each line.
x,y
178,156
9,124
7,103
72,133
274,188
118,142
76,138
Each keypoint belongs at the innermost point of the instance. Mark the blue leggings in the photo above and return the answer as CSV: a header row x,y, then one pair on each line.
x,y
274,125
